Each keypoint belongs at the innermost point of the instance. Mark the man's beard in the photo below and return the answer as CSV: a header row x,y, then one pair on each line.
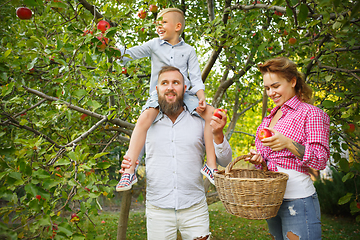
x,y
173,108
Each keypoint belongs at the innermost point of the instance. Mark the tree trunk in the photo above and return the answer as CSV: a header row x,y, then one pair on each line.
x,y
124,215
264,104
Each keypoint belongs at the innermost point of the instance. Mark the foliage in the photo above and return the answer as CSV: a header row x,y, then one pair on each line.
x,y
67,110
331,190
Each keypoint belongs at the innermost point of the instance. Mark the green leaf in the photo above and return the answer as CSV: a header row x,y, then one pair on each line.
x,y
62,162
31,189
328,78
6,89
42,174
79,93
94,104
50,183
103,165
345,199
15,175
64,230
6,54
328,104
344,165
32,3
349,175
100,155
303,14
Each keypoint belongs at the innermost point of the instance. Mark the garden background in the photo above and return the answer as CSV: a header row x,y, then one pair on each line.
x,y
68,106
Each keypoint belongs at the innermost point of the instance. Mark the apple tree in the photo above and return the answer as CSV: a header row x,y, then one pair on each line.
x,y
68,105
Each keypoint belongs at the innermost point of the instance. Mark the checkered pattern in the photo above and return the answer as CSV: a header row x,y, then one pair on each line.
x,y
126,182
209,173
305,124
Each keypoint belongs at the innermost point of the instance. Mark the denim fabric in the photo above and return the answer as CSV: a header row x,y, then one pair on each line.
x,y
191,101
300,216
163,223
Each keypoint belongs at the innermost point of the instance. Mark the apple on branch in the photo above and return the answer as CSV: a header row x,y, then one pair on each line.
x,y
142,14
23,13
292,41
153,8
74,218
124,70
104,42
264,133
103,26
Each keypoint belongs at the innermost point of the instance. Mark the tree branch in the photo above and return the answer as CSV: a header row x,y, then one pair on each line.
x,y
116,121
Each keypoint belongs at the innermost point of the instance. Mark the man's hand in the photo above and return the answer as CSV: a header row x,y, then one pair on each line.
x,y
126,164
217,126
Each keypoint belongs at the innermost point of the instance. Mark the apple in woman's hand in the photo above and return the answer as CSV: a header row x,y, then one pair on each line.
x,y
264,133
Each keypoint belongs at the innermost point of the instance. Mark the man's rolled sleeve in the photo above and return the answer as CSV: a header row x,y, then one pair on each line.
x,y
223,153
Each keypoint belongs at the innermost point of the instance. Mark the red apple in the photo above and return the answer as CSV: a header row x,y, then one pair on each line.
x,y
270,48
217,114
312,58
124,70
278,13
87,31
269,110
358,205
23,13
74,218
153,8
38,197
292,41
285,33
351,127
103,26
82,117
104,42
87,189
264,133
142,14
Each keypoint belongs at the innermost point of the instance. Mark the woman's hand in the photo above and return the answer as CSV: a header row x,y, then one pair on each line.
x,y
277,141
255,158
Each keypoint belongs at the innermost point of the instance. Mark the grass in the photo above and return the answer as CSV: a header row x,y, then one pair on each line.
x,y
224,226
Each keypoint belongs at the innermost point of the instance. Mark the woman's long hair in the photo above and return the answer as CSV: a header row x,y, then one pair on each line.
x,y
288,70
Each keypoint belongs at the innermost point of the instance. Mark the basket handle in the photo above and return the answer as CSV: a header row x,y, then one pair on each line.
x,y
232,163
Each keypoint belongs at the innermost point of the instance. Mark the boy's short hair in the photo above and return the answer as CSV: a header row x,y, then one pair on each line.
x,y
180,18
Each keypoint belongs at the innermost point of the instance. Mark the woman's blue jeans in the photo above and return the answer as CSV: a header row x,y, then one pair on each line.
x,y
299,216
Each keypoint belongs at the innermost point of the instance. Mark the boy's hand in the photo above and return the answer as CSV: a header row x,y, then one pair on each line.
x,y
202,105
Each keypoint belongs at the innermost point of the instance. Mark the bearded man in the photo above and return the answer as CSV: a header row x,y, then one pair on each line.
x,y
175,149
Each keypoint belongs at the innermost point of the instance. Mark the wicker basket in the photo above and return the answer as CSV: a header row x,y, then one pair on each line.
x,y
251,194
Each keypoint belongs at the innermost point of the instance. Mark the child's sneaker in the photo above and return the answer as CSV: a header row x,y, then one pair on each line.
x,y
209,173
126,182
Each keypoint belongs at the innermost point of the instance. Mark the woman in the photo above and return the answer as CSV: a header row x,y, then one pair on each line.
x,y
299,141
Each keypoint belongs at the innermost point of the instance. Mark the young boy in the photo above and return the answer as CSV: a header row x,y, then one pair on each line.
x,y
169,49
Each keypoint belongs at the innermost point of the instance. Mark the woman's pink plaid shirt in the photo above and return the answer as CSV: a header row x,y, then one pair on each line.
x,y
305,124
